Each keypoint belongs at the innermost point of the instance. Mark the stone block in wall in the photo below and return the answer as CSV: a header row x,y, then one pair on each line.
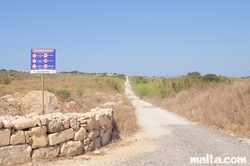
x,y
27,136
17,137
101,132
106,137
96,143
109,124
24,123
74,124
46,153
7,124
44,120
101,119
81,134
1,123
93,134
90,124
86,141
55,125
38,131
107,112
97,125
71,148
4,137
37,142
56,138
89,147
65,124
17,154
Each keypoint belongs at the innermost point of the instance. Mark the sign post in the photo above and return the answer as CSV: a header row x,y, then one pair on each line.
x,y
43,61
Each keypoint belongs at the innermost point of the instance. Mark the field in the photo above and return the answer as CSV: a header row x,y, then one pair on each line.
x,y
221,103
87,90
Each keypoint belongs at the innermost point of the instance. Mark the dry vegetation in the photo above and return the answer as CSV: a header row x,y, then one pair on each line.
x,y
87,90
221,105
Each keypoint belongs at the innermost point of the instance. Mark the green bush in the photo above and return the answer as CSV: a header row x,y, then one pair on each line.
x,y
5,80
211,78
62,94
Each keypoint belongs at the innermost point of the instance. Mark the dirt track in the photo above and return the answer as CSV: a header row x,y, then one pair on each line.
x,y
165,139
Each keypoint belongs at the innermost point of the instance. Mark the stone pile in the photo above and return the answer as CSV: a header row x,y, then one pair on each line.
x,y
52,135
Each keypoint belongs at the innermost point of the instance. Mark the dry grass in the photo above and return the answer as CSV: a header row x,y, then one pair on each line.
x,y
223,106
88,91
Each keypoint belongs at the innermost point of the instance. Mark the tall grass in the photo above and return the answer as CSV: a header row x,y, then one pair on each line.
x,y
223,104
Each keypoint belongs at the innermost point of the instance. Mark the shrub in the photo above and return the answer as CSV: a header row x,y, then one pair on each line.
x,y
5,80
194,74
63,94
211,78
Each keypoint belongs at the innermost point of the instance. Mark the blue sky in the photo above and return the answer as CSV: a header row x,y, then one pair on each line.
x,y
132,37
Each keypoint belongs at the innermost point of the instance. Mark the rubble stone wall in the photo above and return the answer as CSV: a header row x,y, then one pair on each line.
x,y
48,136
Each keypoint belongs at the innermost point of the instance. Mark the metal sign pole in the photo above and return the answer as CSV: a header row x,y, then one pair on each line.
x,y
43,94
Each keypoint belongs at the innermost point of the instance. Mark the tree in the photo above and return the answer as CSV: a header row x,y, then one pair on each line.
x,y
194,74
211,78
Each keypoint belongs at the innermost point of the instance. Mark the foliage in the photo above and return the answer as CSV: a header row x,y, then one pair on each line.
x,y
194,74
163,87
5,80
62,94
211,78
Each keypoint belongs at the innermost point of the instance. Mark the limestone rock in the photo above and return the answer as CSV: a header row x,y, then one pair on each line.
x,y
1,123
71,148
74,124
90,124
69,106
7,123
27,136
38,131
101,119
55,125
10,105
24,123
81,134
45,153
17,154
101,132
109,104
32,102
61,136
86,141
93,134
4,137
106,137
96,143
38,142
17,137
89,147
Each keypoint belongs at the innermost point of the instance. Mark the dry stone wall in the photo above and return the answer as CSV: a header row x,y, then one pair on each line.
x,y
48,136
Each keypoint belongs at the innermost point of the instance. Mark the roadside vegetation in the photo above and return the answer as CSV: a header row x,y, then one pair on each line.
x,y
88,90
216,101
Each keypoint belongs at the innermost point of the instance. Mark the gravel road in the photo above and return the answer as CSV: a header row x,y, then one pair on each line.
x,y
177,140
165,139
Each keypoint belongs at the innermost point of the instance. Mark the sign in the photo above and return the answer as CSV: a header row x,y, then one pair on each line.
x,y
43,61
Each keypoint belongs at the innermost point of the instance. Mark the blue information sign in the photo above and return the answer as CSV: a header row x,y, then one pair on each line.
x,y
43,61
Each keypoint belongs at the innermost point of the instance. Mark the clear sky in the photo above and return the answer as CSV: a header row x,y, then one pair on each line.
x,y
132,37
